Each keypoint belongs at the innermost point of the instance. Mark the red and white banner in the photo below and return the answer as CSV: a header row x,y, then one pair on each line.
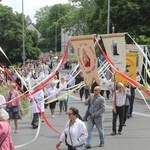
x,y
115,49
85,52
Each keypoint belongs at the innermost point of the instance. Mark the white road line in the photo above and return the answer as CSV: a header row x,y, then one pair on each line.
x,y
110,107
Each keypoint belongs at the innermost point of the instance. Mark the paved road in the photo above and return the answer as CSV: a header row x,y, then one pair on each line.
x,y
135,136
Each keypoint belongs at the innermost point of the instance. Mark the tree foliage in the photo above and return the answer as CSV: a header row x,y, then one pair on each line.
x,y
130,16
50,25
11,36
80,17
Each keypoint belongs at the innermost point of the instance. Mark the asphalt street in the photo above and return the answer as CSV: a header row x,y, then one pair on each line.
x,y
135,136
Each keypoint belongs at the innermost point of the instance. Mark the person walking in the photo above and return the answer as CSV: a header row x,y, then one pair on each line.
x,y
127,105
37,99
119,99
6,142
79,78
52,93
75,132
13,107
95,116
63,101
104,85
132,98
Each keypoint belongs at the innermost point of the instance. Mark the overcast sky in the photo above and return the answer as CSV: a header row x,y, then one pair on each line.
x,y
30,6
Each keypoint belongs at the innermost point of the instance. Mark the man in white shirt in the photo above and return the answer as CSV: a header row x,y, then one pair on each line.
x,y
119,98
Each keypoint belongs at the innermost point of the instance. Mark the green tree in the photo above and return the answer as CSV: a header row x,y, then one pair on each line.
x,y
130,16
56,17
11,36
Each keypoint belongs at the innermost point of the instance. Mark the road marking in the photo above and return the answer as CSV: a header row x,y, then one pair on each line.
x,y
136,113
110,107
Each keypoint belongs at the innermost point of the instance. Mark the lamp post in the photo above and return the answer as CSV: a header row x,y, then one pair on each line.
x,y
55,37
108,17
23,39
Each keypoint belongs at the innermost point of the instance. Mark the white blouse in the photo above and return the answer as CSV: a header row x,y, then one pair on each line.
x,y
52,93
39,99
77,131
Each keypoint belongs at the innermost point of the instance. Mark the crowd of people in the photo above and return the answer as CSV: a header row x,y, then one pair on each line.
x,y
122,99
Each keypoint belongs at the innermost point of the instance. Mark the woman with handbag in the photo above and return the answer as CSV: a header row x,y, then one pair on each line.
x,y
5,132
13,107
75,132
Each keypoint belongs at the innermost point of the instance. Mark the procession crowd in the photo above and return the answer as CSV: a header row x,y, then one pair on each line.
x,y
122,99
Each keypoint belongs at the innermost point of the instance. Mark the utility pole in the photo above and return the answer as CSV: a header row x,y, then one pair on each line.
x,y
23,39
108,18
55,37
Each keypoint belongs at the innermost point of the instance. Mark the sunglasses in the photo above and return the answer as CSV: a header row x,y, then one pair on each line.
x,y
95,90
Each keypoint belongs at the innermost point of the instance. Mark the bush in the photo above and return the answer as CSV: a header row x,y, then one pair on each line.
x,y
25,104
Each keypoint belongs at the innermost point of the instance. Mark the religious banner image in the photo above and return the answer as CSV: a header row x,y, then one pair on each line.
x,y
115,49
132,48
131,65
85,52
130,68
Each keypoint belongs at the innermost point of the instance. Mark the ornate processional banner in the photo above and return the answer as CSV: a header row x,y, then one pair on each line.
x,y
115,49
130,68
132,48
85,52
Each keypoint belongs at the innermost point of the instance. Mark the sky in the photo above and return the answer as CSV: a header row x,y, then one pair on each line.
x,y
30,6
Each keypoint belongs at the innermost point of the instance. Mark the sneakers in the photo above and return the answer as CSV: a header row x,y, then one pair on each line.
x,y
101,144
113,133
88,146
119,133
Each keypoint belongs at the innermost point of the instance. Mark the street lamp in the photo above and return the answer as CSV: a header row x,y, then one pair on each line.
x,y
108,17
23,39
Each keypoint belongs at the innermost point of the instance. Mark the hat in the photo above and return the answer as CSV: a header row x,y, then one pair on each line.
x,y
3,114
